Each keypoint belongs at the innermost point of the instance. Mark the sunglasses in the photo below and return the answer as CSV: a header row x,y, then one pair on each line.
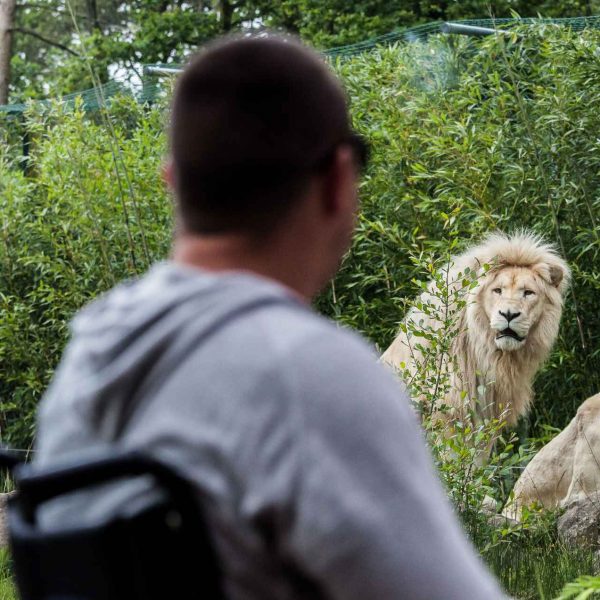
x,y
360,149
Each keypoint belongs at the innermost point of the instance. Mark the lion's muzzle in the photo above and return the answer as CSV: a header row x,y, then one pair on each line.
x,y
511,330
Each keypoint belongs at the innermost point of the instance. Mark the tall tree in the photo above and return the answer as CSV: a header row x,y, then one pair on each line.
x,y
225,10
7,22
120,36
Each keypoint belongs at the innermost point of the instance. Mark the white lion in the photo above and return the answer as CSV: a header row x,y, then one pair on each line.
x,y
505,329
565,468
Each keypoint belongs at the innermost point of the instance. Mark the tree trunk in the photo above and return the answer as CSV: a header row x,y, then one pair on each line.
x,y
7,23
92,13
416,8
225,10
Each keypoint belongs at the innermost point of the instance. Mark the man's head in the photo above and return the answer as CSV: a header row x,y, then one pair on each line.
x,y
253,120
257,127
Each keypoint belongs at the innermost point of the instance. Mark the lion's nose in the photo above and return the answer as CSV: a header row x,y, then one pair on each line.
x,y
509,316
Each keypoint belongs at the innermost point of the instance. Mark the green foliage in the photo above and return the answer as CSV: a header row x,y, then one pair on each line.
x,y
337,22
581,589
51,36
470,137
327,23
535,567
154,31
91,211
7,589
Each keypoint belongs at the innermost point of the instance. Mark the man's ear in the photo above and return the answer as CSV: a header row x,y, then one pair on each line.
x,y
339,181
168,173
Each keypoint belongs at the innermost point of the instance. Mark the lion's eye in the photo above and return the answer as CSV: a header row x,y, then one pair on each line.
x,y
497,290
528,293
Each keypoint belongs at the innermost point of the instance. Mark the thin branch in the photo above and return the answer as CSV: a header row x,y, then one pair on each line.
x,y
46,40
53,9
133,68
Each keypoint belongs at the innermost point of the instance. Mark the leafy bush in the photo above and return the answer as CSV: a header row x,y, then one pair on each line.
x,y
470,137
7,589
581,589
90,211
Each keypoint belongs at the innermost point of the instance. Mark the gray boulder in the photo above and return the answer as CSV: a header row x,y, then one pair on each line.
x,y
579,525
3,519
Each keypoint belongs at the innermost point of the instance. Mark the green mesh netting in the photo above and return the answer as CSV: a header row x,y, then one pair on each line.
x,y
91,99
150,87
421,32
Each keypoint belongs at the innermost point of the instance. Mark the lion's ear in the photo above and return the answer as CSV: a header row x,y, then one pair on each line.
x,y
554,274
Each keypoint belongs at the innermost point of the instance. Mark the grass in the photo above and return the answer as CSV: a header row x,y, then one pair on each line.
x,y
526,571
7,589
538,572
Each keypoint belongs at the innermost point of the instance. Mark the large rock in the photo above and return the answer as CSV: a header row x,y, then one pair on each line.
x,y
566,470
580,523
3,519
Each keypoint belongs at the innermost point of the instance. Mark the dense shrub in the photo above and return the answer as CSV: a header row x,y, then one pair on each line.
x,y
471,137
468,136
89,212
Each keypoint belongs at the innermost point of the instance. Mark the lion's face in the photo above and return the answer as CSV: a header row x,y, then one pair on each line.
x,y
513,300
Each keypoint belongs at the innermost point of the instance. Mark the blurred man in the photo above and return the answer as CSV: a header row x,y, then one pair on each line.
x,y
317,479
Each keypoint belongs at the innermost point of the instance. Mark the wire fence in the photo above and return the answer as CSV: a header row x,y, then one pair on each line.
x,y
422,32
148,88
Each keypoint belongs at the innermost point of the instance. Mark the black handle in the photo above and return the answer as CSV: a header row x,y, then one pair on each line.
x,y
36,487
9,459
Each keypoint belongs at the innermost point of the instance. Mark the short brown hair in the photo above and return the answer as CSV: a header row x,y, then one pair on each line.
x,y
252,119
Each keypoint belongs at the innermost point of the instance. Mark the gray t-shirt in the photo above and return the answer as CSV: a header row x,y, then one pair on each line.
x,y
318,481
